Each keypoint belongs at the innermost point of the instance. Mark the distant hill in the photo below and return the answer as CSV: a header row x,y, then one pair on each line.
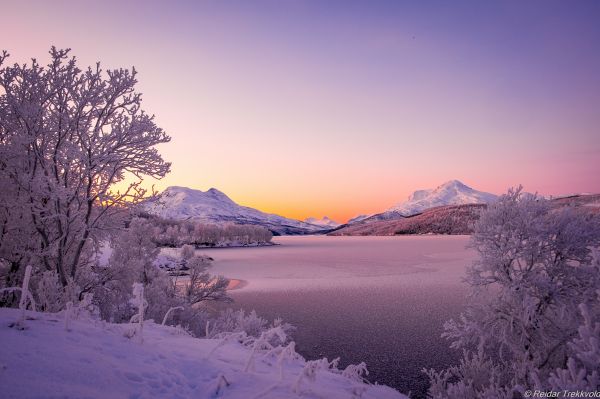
x,y
358,218
213,206
325,222
452,192
449,219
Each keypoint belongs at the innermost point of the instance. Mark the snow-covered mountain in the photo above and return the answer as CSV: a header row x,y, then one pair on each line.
x,y
325,222
452,192
213,206
358,218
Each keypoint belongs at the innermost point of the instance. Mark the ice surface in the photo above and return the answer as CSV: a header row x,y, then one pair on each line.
x,y
317,262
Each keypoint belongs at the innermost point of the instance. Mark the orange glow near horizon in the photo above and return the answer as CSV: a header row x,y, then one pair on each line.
x,y
317,108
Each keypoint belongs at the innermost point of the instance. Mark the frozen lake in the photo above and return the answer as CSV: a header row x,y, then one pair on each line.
x,y
382,300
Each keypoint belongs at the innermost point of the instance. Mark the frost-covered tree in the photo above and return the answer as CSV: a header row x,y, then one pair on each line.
x,y
67,137
201,286
176,233
187,252
134,252
535,270
132,261
582,371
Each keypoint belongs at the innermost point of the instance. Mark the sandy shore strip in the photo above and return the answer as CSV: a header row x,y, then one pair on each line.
x,y
236,284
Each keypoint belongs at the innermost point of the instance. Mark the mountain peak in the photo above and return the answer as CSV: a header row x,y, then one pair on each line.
x,y
324,222
455,183
218,194
452,192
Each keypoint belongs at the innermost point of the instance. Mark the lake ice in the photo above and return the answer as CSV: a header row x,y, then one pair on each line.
x,y
382,300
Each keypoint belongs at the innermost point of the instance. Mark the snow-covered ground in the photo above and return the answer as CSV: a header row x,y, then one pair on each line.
x,y
96,360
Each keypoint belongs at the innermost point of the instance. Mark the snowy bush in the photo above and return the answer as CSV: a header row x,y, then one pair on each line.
x,y
583,366
169,312
131,261
308,373
51,295
25,298
265,342
356,372
250,323
187,251
230,320
535,269
201,286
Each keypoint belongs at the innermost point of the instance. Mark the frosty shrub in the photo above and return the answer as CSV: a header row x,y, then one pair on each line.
x,y
187,251
133,260
25,298
535,271
230,320
582,371
201,286
233,321
50,294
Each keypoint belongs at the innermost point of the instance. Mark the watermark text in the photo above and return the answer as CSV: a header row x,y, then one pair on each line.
x,y
561,394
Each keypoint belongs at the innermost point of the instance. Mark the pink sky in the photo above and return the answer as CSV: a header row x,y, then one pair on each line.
x,y
322,108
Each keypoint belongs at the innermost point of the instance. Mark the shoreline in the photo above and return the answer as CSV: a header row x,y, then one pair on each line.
x,y
236,284
271,244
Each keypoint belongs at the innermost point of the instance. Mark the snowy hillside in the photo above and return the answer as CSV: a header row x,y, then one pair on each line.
x,y
213,206
325,222
358,218
96,360
452,192
449,219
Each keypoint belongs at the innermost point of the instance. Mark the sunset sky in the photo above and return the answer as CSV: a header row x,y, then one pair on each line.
x,y
307,108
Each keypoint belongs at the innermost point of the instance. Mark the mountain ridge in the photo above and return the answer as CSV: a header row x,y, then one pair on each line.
x,y
214,206
324,222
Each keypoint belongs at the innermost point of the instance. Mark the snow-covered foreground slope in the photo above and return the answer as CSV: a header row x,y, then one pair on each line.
x,y
96,360
213,206
452,192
